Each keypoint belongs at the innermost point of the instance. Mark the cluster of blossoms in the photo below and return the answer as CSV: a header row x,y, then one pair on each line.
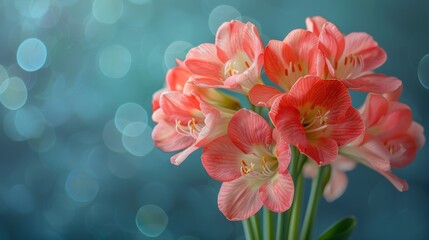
x,y
309,108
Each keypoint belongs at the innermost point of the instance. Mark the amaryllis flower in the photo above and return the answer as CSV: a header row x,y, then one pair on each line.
x,y
252,163
316,116
187,122
350,58
285,62
233,62
391,138
177,80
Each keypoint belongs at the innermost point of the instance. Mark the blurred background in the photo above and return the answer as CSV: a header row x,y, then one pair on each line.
x,y
76,82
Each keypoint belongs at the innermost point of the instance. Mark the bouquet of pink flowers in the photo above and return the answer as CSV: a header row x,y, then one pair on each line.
x,y
302,125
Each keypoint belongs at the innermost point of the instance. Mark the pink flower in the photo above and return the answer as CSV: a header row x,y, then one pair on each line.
x,y
316,116
233,62
350,58
391,138
285,62
187,122
252,163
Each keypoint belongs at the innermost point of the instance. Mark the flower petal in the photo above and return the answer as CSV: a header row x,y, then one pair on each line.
x,y
373,83
203,61
331,42
315,24
263,95
248,130
399,183
336,186
363,44
347,130
221,159
167,139
176,77
374,108
239,199
228,39
178,158
323,152
277,194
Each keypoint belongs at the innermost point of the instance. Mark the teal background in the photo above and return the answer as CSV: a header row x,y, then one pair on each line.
x,y
79,188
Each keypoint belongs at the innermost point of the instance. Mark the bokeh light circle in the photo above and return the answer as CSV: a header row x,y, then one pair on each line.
x,y
151,220
33,8
31,54
3,77
107,12
221,14
423,71
176,50
52,16
44,142
112,137
139,145
19,199
131,119
15,94
115,61
30,122
81,187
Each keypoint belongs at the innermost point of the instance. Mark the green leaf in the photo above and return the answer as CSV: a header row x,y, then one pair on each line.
x,y
340,230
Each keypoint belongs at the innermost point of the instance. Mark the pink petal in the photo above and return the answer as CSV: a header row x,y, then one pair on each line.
x,y
374,108
178,106
221,159
393,96
176,77
347,130
239,199
416,130
203,61
363,44
373,83
315,24
178,158
251,41
282,152
228,38
167,139
399,183
263,95
248,130
372,153
206,82
277,57
277,194
304,46
336,186
323,152
331,42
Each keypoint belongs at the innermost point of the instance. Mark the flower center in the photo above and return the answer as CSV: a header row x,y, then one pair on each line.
x,y
314,122
350,67
396,149
293,72
239,64
259,167
192,128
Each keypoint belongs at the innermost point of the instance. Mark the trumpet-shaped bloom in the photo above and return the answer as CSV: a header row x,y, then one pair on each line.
x,y
350,58
233,62
288,60
252,163
316,116
187,122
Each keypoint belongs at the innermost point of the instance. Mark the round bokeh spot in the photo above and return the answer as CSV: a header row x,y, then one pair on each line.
x,y
131,119
15,94
139,145
176,50
81,187
423,71
107,12
151,220
221,14
114,61
31,54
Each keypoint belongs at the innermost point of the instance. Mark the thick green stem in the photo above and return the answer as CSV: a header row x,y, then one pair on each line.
x,y
268,224
254,220
296,208
248,233
316,192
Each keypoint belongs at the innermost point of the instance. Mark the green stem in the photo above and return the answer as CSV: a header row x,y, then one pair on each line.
x,y
284,218
268,224
296,208
248,233
254,220
316,192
